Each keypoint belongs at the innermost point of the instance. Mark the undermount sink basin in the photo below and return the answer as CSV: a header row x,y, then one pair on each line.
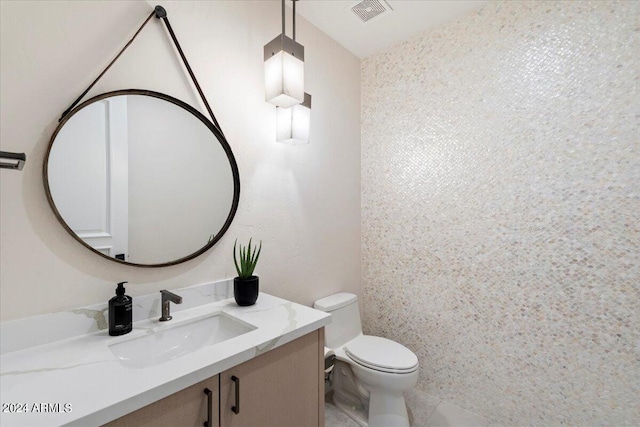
x,y
159,345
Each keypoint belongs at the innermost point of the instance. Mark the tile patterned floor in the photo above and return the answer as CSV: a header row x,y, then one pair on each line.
x,y
424,411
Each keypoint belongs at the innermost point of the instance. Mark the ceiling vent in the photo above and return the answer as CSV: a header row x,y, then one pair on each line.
x,y
366,10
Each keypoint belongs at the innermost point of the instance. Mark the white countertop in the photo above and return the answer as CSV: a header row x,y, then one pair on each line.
x,y
83,374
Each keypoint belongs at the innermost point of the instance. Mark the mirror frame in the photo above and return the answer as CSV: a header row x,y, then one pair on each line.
x,y
221,139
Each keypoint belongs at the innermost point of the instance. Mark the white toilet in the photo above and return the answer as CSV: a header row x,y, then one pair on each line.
x,y
371,373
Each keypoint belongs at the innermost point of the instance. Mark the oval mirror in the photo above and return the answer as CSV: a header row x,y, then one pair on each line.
x,y
141,178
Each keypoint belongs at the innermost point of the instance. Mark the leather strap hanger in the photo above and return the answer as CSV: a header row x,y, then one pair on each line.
x,y
160,13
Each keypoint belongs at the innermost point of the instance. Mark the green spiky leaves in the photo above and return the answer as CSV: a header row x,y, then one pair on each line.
x,y
248,259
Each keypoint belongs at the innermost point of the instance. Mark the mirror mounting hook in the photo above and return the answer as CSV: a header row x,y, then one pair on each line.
x,y
160,12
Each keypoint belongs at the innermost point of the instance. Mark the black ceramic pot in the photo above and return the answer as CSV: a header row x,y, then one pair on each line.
x,y
245,291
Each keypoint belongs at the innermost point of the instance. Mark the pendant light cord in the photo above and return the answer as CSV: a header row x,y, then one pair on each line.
x,y
160,13
283,18
294,19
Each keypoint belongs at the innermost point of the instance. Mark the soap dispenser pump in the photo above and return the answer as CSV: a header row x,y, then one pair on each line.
x,y
120,312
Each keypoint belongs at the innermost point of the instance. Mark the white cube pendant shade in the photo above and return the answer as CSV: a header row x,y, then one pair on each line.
x,y
284,72
294,123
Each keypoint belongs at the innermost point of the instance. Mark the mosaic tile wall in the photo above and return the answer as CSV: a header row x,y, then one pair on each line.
x,y
501,210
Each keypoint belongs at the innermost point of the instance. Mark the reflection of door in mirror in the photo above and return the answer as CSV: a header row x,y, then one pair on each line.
x,y
91,192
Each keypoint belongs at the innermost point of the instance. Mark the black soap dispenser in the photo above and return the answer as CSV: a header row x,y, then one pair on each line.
x,y
120,312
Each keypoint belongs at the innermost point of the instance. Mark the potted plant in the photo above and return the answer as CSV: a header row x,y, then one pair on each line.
x,y
245,286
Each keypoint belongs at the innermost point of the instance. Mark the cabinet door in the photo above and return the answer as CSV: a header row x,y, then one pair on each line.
x,y
281,388
186,408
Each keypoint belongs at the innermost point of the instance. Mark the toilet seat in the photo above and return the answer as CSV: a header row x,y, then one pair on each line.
x,y
381,354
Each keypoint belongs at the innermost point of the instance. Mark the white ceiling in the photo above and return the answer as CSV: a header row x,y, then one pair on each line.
x,y
409,17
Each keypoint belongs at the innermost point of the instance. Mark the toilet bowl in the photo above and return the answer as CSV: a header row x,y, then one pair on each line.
x,y
374,372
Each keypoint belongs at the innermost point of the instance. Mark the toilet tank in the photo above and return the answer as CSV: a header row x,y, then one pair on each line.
x,y
345,318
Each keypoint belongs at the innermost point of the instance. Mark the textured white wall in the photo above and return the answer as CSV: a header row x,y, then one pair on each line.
x,y
303,202
501,212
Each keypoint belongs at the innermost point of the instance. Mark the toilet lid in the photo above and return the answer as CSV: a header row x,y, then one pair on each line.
x,y
381,354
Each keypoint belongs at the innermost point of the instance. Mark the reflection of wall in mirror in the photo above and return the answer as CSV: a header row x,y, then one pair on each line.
x,y
180,182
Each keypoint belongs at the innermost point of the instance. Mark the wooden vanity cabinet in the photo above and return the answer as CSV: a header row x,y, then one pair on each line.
x,y
283,387
186,408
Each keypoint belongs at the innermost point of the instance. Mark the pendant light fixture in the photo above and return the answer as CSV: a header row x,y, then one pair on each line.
x,y
293,123
284,68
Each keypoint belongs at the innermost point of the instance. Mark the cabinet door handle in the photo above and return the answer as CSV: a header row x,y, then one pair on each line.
x,y
209,394
236,407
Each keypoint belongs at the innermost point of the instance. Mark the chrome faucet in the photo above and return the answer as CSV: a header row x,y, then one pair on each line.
x,y
168,298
